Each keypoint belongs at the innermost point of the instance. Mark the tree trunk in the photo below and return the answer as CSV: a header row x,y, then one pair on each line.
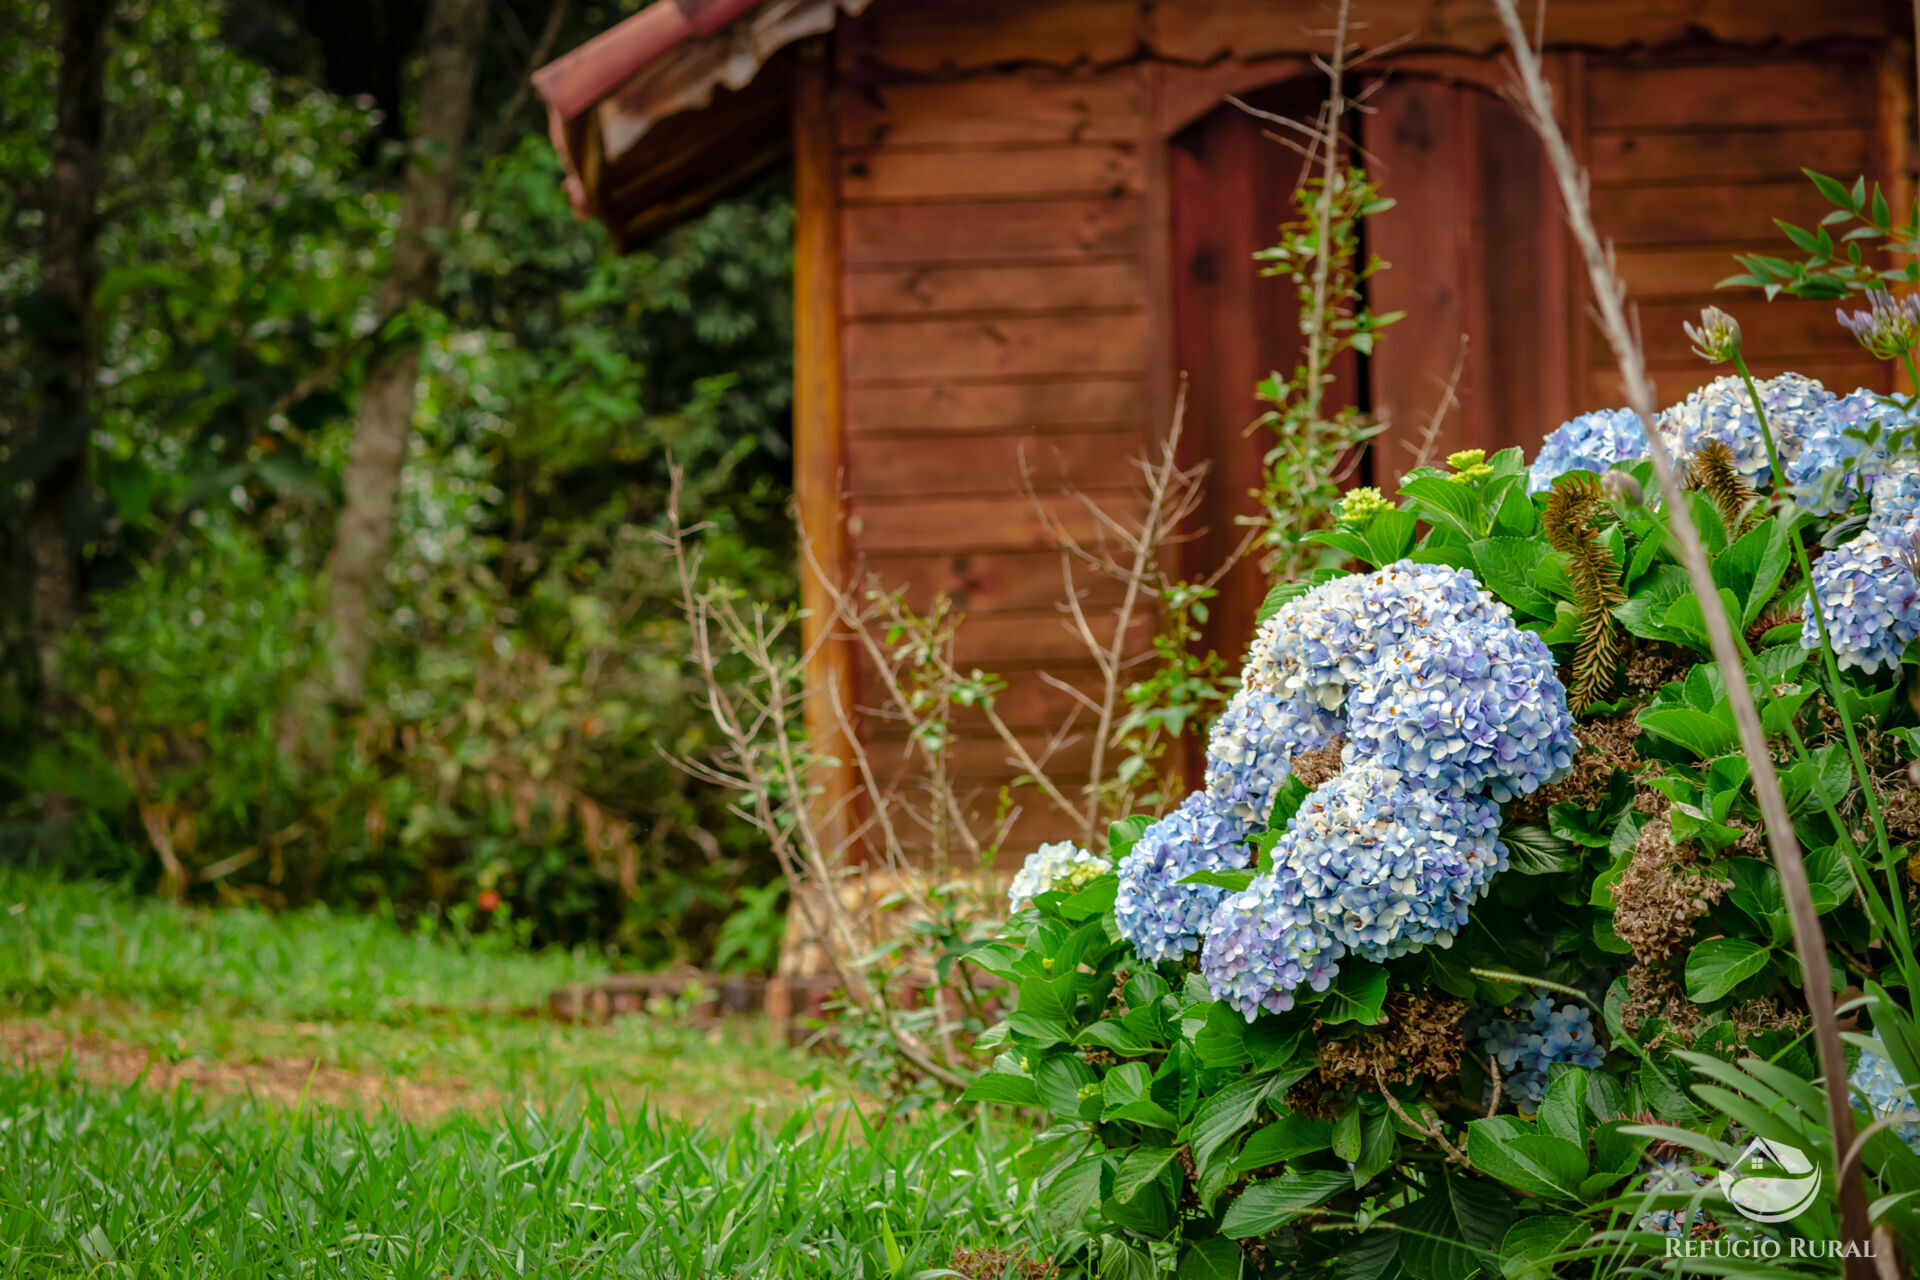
x,y
63,336
364,539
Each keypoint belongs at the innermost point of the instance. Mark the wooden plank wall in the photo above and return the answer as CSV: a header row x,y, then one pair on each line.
x,y
994,302
1692,158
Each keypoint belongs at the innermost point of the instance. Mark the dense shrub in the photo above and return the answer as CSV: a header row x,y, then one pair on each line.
x,y
1470,946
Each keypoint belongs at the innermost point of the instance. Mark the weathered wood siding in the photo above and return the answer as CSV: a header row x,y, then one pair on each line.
x,y
995,320
1692,158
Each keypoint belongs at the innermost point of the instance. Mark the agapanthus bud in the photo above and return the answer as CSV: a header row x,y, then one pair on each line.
x,y
1889,327
1622,488
1716,339
1359,506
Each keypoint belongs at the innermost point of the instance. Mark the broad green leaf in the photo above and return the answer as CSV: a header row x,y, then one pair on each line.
x,y
1122,834
1514,1152
1530,1244
1445,502
1111,1033
1357,995
1718,965
1215,1258
997,1086
1224,1114
1288,1138
1060,1080
1137,1168
1272,1202
1232,881
1563,1112
1535,851
1508,567
1073,1190
1703,733
1094,900
1370,1257
1453,1231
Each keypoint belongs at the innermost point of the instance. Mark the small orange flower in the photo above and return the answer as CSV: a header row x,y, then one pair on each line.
x,y
489,899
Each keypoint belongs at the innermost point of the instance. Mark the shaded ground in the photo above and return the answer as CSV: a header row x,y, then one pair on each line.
x,y
286,1081
432,1066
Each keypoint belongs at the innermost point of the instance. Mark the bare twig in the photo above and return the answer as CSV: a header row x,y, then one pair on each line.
x,y
1433,1131
1535,98
1423,448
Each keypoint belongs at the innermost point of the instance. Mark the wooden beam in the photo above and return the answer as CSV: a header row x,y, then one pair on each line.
x,y
818,434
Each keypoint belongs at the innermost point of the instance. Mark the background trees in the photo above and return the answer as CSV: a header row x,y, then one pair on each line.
x,y
258,279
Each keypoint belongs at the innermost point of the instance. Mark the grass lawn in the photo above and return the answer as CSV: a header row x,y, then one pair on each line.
x,y
186,1093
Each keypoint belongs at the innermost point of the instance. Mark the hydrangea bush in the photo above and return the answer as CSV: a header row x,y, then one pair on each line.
x,y
1472,911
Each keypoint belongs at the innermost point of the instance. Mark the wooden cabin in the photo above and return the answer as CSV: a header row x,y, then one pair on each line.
x,y
1019,222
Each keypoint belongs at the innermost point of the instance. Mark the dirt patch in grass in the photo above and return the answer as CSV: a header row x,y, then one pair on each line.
x,y
285,1081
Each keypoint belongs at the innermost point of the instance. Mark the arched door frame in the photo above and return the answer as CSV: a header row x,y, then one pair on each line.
x,y
1174,97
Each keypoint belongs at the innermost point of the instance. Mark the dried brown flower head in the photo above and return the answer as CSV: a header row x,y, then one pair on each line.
x,y
1319,765
1660,894
991,1263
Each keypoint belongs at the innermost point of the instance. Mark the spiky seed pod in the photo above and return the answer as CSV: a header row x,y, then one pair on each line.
x,y
1572,525
1714,472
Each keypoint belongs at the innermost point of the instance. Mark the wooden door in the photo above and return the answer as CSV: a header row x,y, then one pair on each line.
x,y
1232,189
1477,253
1478,257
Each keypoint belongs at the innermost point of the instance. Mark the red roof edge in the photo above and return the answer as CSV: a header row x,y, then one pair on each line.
x,y
575,81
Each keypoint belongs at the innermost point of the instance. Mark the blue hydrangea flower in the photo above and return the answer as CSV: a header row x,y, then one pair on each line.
x,y
1524,1050
1870,599
1294,682
1833,468
1160,917
1263,945
1675,1177
1877,1080
1371,864
1251,745
1896,499
1590,442
1477,706
1063,867
1722,410
1304,658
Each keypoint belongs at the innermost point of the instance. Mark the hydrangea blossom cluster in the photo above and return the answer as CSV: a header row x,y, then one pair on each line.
x,y
1722,410
1870,599
1671,1177
1524,1050
1590,442
1896,500
1304,658
1372,864
1160,917
1834,467
1446,706
1476,706
1062,867
1878,1080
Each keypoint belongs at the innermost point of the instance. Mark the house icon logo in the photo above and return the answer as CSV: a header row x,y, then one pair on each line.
x,y
1771,1182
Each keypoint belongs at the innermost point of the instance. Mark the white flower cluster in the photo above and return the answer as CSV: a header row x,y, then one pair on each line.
x,y
1062,867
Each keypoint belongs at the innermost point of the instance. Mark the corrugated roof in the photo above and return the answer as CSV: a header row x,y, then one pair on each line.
x,y
676,105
